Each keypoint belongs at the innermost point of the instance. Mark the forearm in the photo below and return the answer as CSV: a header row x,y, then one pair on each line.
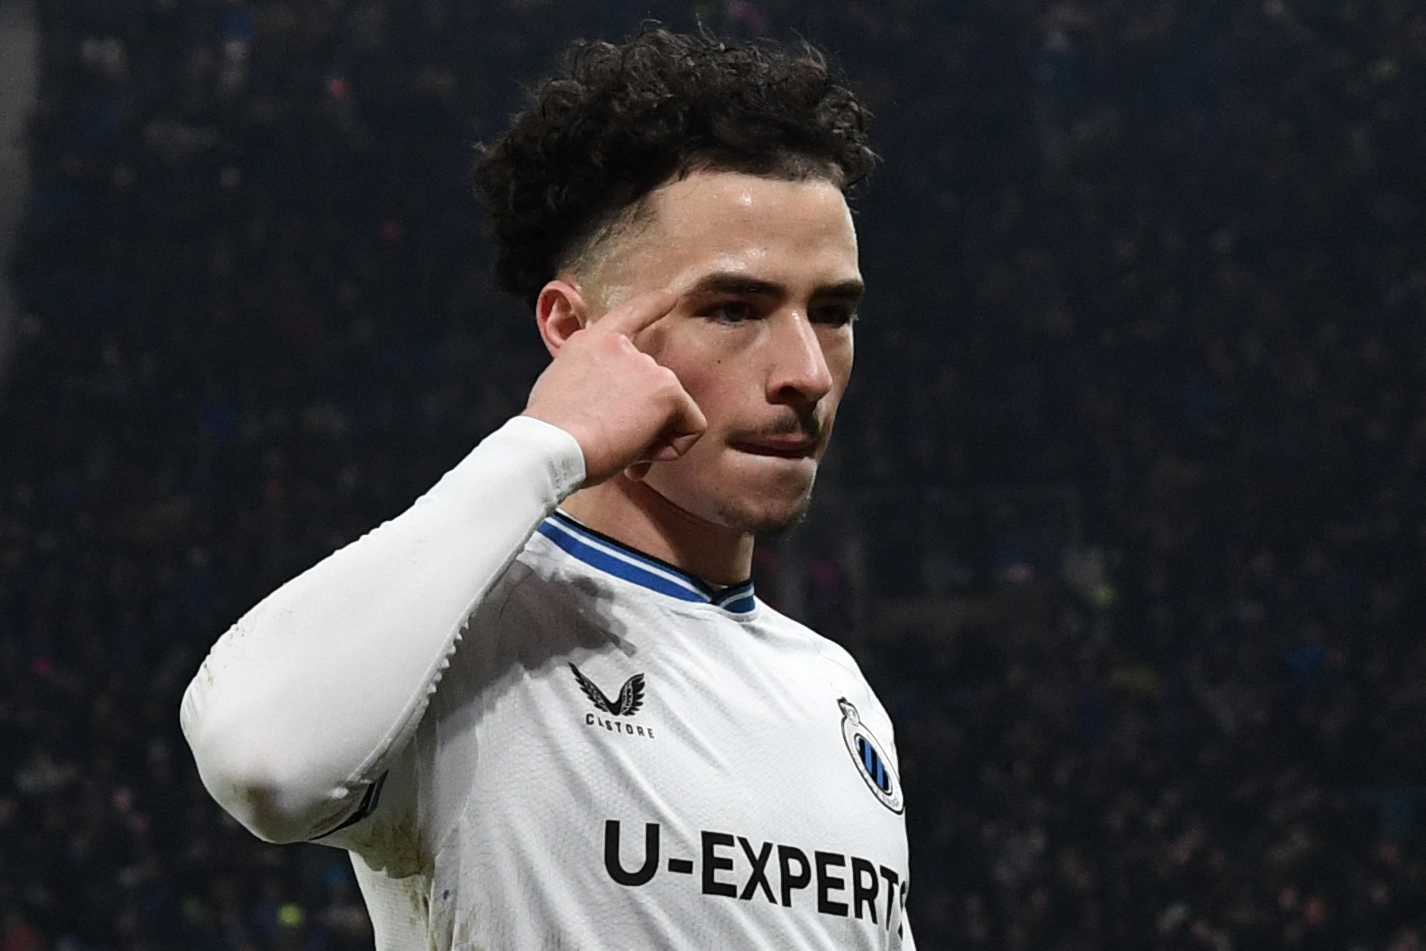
x,y
306,698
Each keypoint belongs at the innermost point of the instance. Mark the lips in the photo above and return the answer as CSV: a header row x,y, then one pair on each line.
x,y
788,448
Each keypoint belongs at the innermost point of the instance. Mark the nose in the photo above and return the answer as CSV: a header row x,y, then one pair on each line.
x,y
799,372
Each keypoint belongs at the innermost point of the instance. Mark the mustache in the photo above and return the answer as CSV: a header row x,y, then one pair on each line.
x,y
802,423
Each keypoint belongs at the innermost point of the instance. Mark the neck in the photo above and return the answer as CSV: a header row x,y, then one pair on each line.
x,y
636,515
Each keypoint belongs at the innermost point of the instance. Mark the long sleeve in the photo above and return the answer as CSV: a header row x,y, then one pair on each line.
x,y
303,702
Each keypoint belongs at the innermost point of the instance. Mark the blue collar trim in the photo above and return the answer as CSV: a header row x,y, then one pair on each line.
x,y
624,562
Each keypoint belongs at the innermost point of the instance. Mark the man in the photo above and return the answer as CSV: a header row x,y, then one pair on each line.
x,y
543,707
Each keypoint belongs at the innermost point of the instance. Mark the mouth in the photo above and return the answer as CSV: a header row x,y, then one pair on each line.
x,y
790,448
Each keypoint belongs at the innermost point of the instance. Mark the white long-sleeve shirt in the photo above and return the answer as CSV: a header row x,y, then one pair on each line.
x,y
531,736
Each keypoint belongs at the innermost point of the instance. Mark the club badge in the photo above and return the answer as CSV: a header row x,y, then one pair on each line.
x,y
872,762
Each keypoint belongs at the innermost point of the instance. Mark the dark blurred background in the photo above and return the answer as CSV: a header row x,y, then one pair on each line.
x,y
1124,518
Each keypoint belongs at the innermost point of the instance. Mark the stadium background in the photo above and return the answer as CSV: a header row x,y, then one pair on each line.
x,y
1124,518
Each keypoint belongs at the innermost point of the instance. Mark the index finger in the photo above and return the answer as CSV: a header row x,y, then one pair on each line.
x,y
637,314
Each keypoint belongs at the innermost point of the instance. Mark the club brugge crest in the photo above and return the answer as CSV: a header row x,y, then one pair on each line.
x,y
872,761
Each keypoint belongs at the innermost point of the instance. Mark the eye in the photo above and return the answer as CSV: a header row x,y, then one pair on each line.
x,y
834,315
731,311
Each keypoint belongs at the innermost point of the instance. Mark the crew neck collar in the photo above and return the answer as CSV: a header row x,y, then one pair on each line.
x,y
600,551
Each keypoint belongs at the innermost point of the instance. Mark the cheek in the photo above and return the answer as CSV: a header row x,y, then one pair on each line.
x,y
713,391
838,354
708,369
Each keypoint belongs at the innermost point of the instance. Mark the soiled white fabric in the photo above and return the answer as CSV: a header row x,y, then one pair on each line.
x,y
613,754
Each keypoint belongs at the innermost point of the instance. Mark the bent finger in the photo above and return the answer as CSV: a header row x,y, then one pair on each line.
x,y
637,471
689,421
670,449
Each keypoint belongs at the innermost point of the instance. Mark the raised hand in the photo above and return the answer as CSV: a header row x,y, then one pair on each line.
x,y
623,408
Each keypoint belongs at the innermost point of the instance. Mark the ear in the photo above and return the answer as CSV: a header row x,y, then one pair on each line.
x,y
560,312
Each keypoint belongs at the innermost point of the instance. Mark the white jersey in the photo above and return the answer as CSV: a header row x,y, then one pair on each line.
x,y
607,754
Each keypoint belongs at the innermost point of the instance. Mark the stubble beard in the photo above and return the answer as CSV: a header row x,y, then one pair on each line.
x,y
769,524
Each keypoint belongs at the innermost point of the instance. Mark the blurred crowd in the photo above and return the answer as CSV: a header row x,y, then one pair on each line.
x,y
1124,517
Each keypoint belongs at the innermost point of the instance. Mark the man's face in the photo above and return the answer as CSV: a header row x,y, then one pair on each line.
x,y
761,338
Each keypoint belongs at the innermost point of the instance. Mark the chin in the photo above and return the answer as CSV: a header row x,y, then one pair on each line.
x,y
771,517
773,529
751,498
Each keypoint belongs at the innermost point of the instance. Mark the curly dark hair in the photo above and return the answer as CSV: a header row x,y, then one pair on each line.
x,y
615,122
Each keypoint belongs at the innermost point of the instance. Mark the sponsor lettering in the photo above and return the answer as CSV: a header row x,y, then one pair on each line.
x,y
828,883
615,867
618,726
791,881
713,863
732,866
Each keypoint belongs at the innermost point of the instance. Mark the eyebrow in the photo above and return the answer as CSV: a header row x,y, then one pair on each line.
x,y
732,283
